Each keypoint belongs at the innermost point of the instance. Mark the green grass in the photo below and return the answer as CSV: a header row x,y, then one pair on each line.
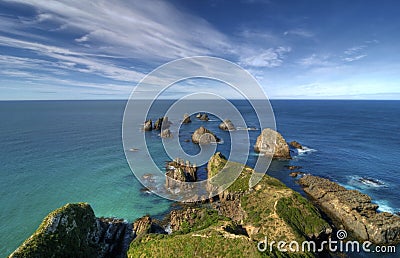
x,y
301,215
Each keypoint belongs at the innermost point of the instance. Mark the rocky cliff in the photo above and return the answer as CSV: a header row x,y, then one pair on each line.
x,y
353,210
74,231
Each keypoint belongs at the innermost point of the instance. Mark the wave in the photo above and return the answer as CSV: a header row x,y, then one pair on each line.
x,y
246,129
362,181
305,150
385,207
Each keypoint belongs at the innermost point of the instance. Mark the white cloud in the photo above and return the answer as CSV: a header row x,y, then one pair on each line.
x,y
154,30
315,60
299,32
272,57
353,58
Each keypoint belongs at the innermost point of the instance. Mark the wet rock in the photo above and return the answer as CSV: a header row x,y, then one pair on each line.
x,y
204,136
354,210
293,167
271,143
296,145
295,174
227,125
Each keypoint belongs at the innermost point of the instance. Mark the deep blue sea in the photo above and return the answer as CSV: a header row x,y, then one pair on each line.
x,y
55,152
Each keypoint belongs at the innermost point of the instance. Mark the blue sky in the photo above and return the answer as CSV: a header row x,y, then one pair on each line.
x,y
296,49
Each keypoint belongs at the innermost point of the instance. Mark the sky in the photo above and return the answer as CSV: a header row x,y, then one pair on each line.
x,y
307,49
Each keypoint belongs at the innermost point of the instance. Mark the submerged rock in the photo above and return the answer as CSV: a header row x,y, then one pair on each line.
x,y
227,125
204,136
271,143
354,210
186,119
74,231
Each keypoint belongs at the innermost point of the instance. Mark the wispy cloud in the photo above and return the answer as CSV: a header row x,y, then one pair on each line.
x,y
315,60
353,58
272,57
299,32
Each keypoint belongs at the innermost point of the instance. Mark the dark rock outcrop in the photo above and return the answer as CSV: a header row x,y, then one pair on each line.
x,y
162,123
296,145
166,133
204,136
271,143
204,117
354,210
148,125
293,167
178,170
74,231
227,125
186,119
145,225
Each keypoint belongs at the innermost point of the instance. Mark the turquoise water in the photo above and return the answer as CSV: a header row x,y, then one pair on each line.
x,y
54,152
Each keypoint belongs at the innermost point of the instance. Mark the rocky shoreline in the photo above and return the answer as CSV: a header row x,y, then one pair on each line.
x,y
229,224
353,210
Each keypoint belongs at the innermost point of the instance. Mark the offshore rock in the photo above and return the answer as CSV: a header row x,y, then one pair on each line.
x,y
186,119
76,232
354,210
227,125
148,125
271,143
296,145
204,136
162,123
166,133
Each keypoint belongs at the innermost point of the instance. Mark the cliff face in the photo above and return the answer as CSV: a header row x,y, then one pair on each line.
x,y
74,231
354,210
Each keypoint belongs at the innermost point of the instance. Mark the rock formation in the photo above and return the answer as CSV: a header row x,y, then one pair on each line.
x,y
178,170
203,117
148,125
204,136
271,143
145,225
227,125
166,133
354,210
186,119
74,231
162,123
296,145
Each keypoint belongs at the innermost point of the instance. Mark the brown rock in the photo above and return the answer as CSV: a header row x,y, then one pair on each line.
x,y
204,136
186,119
148,125
271,143
226,125
296,145
166,133
354,210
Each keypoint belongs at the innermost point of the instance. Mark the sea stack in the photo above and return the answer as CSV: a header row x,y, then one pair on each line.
x,y
186,119
204,136
227,125
272,143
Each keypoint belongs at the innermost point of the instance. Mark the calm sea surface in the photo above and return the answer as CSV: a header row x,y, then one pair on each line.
x,y
55,152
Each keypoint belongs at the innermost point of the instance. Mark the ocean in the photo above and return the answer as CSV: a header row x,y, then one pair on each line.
x,y
55,152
